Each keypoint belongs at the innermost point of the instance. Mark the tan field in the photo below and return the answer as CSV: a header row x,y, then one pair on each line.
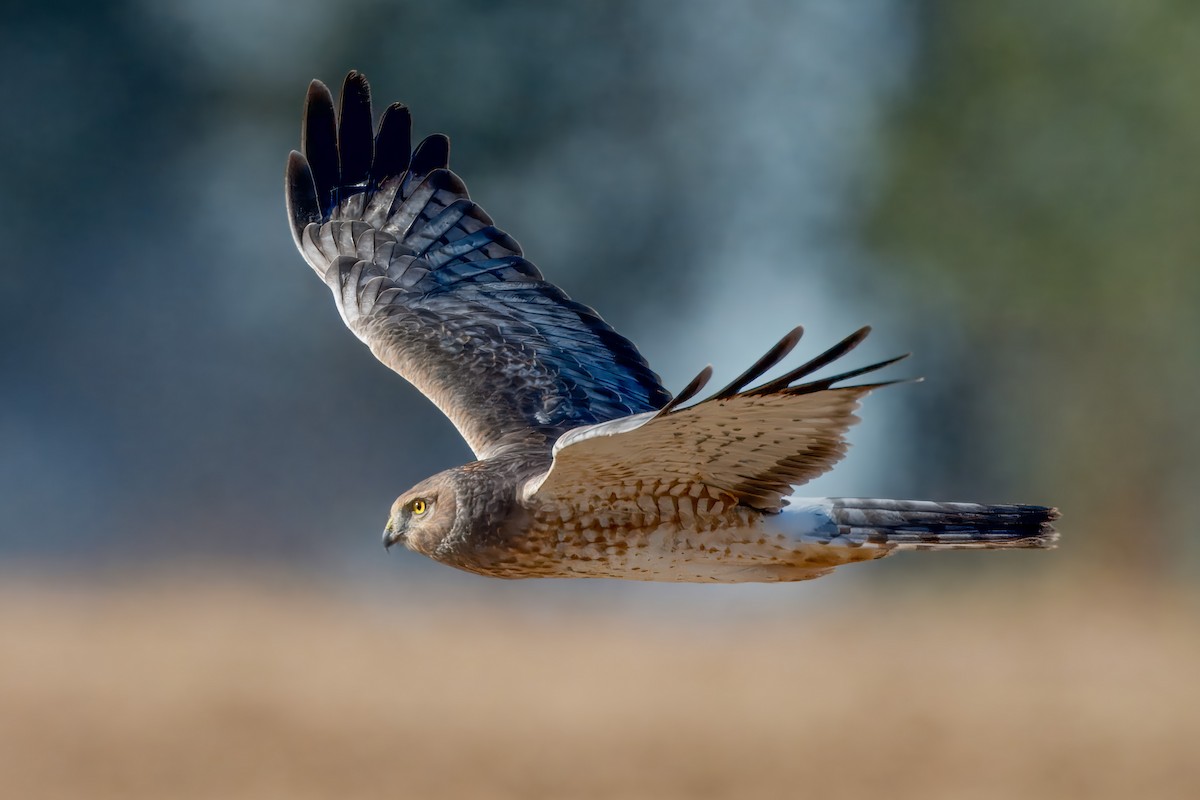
x,y
266,689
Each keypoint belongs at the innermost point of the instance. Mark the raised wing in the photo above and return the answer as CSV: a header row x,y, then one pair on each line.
x,y
443,296
750,445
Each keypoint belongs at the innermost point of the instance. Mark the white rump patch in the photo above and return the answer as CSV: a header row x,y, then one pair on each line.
x,y
805,519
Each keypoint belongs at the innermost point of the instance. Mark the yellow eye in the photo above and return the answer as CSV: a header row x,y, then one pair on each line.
x,y
419,507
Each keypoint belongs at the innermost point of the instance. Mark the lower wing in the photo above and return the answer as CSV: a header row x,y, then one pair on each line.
x,y
744,446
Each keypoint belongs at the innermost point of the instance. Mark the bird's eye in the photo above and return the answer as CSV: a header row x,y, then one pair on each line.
x,y
419,507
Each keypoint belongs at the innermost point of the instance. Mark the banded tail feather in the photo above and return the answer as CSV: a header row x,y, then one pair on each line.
x,y
919,524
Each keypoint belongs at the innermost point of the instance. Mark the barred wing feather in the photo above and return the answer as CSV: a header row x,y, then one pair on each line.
x,y
440,294
753,444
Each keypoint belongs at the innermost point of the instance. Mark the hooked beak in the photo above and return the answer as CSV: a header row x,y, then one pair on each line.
x,y
390,535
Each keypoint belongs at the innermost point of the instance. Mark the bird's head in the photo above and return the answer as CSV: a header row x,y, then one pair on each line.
x,y
423,516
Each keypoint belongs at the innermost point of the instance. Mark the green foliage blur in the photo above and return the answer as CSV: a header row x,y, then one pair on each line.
x,y
1042,180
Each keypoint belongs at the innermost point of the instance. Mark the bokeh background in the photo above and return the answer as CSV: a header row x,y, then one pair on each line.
x,y
196,458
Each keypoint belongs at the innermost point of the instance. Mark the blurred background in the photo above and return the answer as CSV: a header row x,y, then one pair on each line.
x,y
196,458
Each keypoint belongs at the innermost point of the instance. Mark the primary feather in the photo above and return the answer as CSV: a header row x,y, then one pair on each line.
x,y
443,296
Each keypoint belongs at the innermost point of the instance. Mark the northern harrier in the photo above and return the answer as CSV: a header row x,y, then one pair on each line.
x,y
587,466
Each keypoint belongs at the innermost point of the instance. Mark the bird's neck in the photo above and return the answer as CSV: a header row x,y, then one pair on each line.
x,y
489,515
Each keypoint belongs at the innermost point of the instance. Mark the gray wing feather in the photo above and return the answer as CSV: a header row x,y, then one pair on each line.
x,y
440,294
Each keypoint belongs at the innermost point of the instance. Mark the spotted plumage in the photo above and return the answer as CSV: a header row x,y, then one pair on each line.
x,y
586,466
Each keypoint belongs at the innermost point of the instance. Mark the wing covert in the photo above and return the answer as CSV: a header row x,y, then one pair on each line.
x,y
441,295
750,444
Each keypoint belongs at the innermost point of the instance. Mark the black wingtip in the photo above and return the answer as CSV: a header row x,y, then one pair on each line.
x,y
691,390
850,342
355,142
318,105
432,153
303,206
318,141
824,359
769,359
316,88
826,383
393,143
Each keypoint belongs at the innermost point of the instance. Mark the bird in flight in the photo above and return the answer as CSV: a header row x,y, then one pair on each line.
x,y
586,466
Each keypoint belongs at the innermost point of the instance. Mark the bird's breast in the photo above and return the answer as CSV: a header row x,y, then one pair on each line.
x,y
668,531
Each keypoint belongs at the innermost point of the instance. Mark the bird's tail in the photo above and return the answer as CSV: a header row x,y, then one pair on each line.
x,y
918,524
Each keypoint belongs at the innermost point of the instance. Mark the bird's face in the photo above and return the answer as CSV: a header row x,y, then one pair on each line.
x,y
421,517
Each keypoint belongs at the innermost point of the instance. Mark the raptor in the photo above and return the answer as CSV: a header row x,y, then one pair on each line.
x,y
586,466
